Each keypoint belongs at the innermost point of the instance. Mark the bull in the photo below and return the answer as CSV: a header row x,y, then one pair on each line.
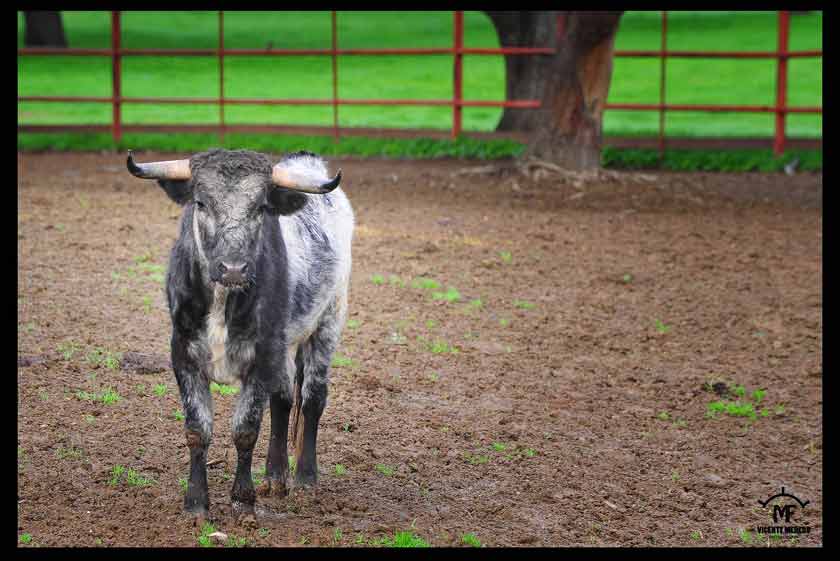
x,y
257,288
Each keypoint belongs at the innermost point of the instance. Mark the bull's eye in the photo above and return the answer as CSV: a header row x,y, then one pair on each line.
x,y
200,205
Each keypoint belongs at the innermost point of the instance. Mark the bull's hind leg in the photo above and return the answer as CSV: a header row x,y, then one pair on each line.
x,y
316,355
277,460
246,429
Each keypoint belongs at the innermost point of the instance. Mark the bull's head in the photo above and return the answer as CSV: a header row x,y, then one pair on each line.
x,y
228,194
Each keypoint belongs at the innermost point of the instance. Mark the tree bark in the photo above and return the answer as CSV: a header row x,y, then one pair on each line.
x,y
524,74
43,29
572,85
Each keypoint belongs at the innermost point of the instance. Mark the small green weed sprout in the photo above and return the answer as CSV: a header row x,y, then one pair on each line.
x,y
160,390
385,469
439,346
104,357
377,279
758,395
204,537
431,324
745,535
396,281
732,408
434,377
233,541
661,327
404,539
451,295
110,396
663,416
177,415
340,469
524,305
425,283
627,278
499,447
471,540
223,389
292,465
506,257
25,538
184,484
476,304
68,349
116,474
339,361
475,459
259,475
69,453
337,536
353,323
263,532
504,322
696,535
134,479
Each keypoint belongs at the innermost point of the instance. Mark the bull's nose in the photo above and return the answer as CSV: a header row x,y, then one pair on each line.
x,y
233,273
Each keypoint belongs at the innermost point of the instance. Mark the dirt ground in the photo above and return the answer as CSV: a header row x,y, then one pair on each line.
x,y
573,412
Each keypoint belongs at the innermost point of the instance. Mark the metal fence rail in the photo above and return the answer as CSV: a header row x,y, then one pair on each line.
x,y
782,54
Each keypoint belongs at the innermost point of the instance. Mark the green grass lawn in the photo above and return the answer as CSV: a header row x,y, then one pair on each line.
x,y
425,77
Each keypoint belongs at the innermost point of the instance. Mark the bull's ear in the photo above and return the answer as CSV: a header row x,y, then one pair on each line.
x,y
284,201
179,190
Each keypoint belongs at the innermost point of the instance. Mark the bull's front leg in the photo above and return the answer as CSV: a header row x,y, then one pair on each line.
x,y
246,429
198,426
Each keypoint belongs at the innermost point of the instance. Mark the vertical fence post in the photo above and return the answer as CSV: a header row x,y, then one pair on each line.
x,y
458,86
335,73
781,83
221,76
662,59
116,71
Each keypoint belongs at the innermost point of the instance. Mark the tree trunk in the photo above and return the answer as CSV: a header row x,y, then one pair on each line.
x,y
572,84
43,29
524,74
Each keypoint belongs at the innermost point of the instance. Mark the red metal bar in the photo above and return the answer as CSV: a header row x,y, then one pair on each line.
x,y
712,108
116,70
335,73
222,76
561,27
781,83
664,49
717,54
517,104
458,70
51,51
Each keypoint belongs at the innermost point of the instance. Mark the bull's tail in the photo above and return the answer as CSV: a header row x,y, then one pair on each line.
x,y
296,421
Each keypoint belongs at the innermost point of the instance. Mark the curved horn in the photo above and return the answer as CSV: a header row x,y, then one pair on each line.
x,y
172,169
290,178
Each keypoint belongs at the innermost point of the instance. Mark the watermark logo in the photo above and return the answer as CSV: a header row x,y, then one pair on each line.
x,y
785,506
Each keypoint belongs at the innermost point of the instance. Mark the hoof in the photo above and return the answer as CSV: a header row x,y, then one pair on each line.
x,y
306,480
247,520
199,518
272,488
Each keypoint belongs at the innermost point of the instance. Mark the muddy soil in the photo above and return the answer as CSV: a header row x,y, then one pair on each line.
x,y
561,400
